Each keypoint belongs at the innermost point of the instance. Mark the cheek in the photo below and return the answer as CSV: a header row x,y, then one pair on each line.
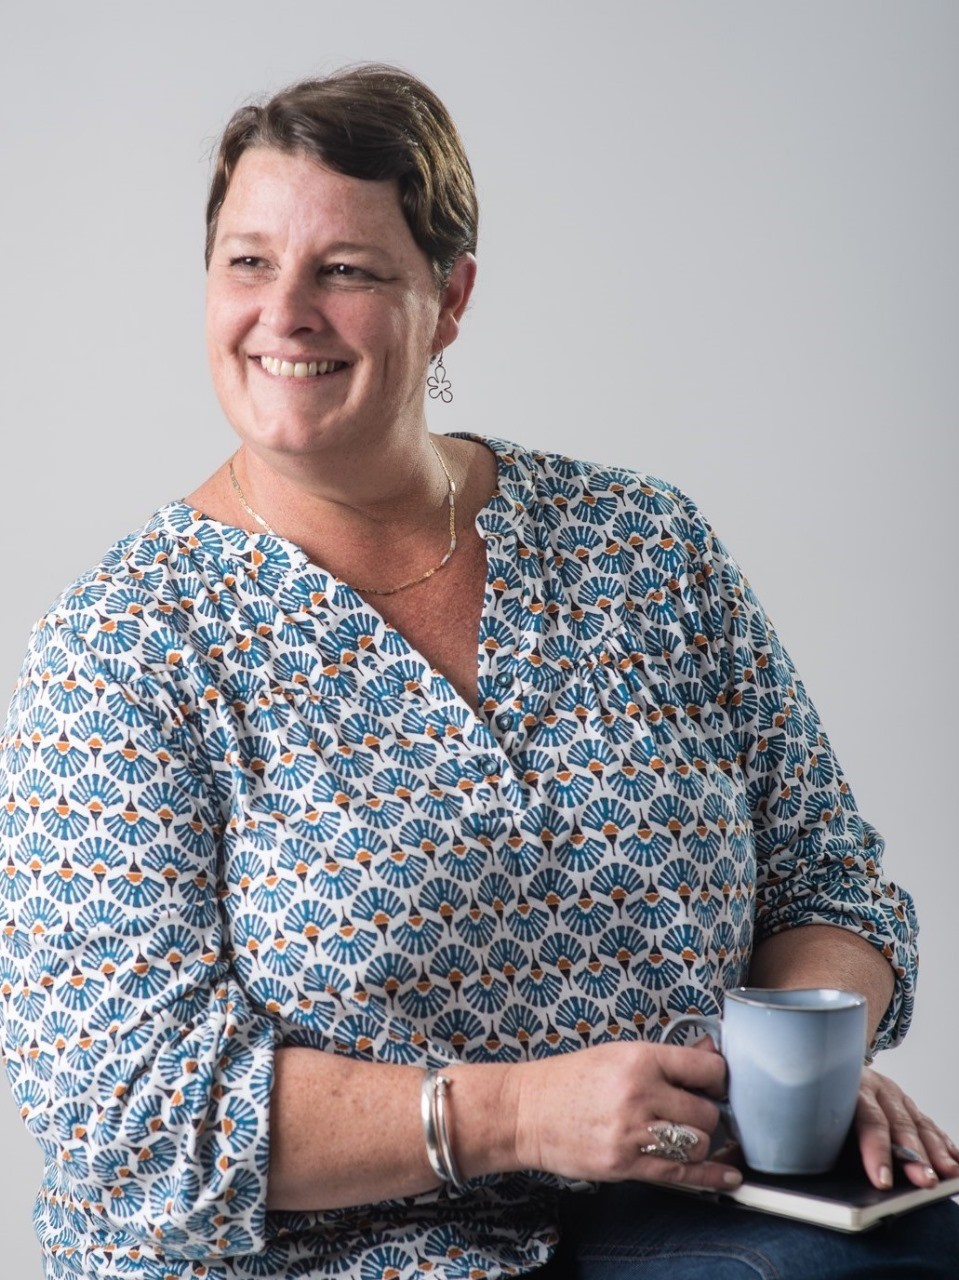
x,y
227,364
414,325
227,319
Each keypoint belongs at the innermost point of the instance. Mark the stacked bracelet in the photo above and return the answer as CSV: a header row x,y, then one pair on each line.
x,y
436,1132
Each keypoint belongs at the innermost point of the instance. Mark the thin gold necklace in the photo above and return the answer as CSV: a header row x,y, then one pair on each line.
x,y
373,591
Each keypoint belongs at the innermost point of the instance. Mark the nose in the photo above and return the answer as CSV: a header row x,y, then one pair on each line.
x,y
292,305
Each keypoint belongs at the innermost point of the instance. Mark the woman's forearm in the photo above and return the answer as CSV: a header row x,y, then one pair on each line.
x,y
344,1132
819,955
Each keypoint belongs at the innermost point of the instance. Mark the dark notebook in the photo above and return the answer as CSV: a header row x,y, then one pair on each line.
x,y
845,1204
843,1199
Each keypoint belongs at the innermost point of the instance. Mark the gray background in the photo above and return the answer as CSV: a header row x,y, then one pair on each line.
x,y
717,244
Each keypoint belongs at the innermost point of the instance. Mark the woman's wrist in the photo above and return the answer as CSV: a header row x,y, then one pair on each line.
x,y
481,1118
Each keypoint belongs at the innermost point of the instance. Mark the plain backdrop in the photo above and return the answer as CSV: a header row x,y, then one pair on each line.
x,y
718,244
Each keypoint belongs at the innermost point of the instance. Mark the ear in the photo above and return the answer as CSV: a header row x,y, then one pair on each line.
x,y
454,300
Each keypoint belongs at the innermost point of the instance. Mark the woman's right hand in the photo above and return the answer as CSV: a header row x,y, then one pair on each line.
x,y
587,1114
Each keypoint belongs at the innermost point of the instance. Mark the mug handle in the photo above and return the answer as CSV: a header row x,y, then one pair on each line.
x,y
712,1027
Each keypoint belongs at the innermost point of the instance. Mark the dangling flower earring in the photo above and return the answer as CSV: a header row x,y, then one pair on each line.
x,y
439,384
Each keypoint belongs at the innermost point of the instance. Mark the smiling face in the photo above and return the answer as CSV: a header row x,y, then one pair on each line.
x,y
322,311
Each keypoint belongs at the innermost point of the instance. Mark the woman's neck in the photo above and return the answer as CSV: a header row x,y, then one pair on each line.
x,y
370,522
355,494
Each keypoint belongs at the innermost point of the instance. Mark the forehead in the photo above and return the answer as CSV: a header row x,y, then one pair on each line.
x,y
296,196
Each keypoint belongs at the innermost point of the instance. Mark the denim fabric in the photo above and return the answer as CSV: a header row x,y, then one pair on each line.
x,y
632,1232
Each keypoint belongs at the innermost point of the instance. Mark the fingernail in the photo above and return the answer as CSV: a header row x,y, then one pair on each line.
x,y
731,1178
885,1176
930,1172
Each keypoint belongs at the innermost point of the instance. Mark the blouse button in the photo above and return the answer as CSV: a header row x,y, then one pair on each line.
x,y
506,720
504,680
487,765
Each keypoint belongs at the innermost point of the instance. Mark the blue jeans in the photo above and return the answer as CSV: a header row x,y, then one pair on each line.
x,y
633,1232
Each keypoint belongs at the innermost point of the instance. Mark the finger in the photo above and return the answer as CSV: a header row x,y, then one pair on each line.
x,y
706,1176
941,1151
683,1107
875,1142
890,1125
688,1144
886,1117
906,1125
694,1069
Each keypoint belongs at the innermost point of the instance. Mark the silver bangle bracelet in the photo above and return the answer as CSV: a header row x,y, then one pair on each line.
x,y
439,1149
428,1116
442,1129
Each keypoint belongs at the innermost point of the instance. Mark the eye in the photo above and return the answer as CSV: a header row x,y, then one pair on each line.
x,y
247,261
346,273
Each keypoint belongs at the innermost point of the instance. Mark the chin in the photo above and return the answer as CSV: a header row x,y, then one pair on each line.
x,y
292,436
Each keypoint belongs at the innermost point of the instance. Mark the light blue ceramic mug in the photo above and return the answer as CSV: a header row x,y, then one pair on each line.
x,y
794,1061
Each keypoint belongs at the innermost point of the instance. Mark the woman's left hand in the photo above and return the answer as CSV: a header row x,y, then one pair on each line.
x,y
887,1117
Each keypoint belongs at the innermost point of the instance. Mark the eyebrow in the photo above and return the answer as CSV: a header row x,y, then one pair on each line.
x,y
339,246
350,246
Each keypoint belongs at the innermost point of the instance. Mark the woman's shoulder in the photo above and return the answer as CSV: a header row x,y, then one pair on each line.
x,y
144,583
594,492
125,562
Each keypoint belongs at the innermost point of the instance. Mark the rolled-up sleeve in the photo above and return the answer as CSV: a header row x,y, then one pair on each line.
x,y
135,1057
818,860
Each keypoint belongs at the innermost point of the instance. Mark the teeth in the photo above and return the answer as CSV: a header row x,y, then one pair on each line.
x,y
300,368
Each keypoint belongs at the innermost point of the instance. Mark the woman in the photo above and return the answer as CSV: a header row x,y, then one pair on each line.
x,y
281,845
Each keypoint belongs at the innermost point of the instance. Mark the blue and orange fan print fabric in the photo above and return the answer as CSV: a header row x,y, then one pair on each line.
x,y
240,812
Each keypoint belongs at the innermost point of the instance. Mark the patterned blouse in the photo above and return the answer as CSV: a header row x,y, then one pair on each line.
x,y
239,812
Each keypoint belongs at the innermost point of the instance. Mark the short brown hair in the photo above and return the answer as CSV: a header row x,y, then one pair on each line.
x,y
375,122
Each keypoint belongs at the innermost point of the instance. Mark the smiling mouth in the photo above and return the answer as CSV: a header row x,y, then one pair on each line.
x,y
300,368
